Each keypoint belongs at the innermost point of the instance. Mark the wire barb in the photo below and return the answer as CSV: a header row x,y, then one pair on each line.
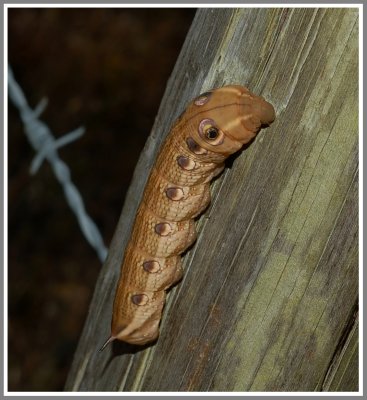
x,y
45,145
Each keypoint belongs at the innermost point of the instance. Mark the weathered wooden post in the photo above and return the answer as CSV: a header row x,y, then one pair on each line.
x,y
269,300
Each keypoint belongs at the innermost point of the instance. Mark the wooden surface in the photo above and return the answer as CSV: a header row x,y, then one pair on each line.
x,y
269,301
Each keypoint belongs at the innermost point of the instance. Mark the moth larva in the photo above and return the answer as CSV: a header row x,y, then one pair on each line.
x,y
215,125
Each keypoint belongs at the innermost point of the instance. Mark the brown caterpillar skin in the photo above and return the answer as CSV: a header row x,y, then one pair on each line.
x,y
216,124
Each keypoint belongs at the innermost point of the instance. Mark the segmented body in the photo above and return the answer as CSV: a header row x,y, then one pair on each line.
x,y
214,125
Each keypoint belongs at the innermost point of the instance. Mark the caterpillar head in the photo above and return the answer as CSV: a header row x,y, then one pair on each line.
x,y
224,119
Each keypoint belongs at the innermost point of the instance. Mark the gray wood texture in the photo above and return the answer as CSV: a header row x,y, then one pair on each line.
x,y
269,300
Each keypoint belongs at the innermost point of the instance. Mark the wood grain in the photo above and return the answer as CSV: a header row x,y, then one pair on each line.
x,y
270,290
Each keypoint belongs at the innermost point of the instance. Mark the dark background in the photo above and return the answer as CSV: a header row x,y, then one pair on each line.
x,y
105,69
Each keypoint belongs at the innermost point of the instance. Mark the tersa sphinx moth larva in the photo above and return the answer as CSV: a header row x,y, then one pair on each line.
x,y
214,125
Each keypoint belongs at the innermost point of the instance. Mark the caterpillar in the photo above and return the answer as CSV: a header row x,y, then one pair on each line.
x,y
215,125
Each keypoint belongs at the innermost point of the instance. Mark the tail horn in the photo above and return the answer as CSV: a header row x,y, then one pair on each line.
x,y
109,340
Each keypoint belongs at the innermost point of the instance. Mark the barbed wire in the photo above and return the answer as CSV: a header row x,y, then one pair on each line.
x,y
45,145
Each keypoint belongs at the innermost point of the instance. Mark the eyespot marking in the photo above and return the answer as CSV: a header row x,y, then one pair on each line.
x,y
151,266
202,99
174,193
163,229
195,147
210,132
186,163
140,299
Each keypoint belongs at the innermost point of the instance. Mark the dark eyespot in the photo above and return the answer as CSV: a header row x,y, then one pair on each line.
x,y
151,266
140,299
195,147
186,163
163,229
175,193
212,133
202,99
